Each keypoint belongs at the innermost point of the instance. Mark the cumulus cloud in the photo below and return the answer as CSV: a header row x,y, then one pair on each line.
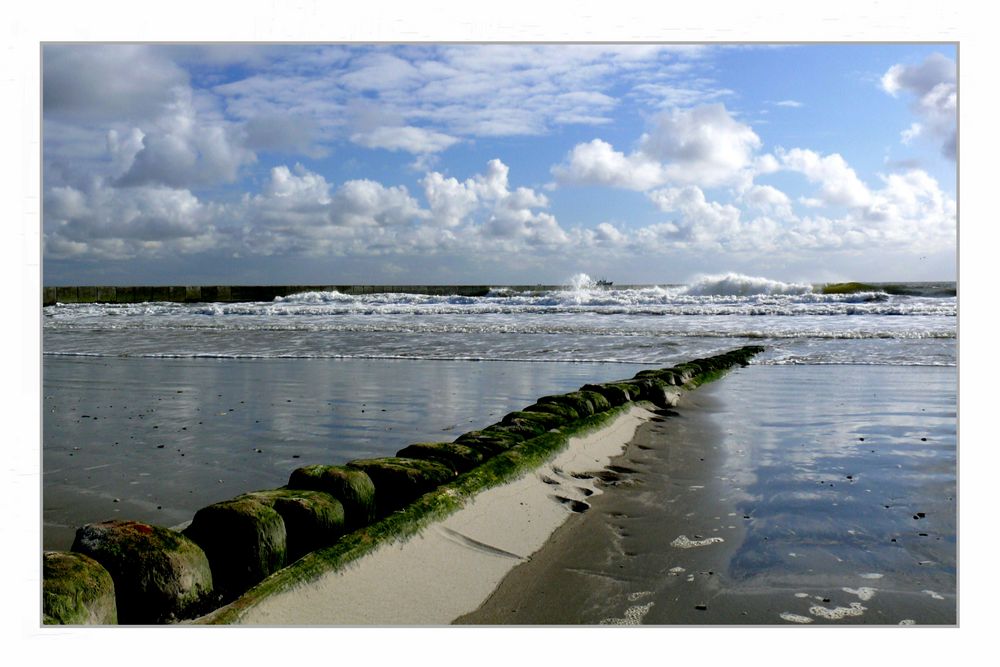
x,y
703,146
184,148
839,183
598,163
102,221
700,222
933,85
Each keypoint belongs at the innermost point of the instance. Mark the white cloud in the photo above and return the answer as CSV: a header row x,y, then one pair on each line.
x,y
105,83
704,146
414,140
770,200
792,104
598,163
701,222
911,133
185,147
839,183
107,222
933,84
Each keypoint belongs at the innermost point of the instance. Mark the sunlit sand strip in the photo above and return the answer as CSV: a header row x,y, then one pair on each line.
x,y
451,567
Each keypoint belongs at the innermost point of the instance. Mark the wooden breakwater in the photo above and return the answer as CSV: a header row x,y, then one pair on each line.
x,y
250,293
239,551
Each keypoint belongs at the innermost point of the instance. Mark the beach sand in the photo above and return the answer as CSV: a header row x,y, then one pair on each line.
x,y
451,567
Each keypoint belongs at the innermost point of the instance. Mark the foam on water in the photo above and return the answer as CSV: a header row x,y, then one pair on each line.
x,y
684,542
794,618
838,613
632,616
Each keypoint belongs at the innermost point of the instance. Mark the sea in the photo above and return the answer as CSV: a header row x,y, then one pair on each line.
x,y
582,323
151,411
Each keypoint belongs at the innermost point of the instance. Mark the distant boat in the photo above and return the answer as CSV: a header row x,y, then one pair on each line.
x,y
604,283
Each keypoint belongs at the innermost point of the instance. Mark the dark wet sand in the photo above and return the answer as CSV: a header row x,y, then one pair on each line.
x,y
832,488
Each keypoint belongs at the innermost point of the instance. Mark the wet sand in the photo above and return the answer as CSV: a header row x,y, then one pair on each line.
x,y
778,495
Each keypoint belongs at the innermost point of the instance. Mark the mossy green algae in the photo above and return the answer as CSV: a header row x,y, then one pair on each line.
x,y
160,575
76,590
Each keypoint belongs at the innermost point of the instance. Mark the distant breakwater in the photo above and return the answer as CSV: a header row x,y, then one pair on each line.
x,y
238,551
253,293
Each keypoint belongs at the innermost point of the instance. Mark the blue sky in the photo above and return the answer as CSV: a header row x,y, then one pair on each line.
x,y
514,163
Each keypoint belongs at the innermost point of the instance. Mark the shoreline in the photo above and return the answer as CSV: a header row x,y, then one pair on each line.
x,y
452,566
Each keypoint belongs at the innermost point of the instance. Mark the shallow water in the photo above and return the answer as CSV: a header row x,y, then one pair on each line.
x,y
156,439
777,495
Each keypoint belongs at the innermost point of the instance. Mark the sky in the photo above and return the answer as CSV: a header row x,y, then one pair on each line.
x,y
508,163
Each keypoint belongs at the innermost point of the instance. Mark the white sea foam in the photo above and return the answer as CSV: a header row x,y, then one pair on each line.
x,y
794,618
838,613
736,284
864,593
683,542
632,616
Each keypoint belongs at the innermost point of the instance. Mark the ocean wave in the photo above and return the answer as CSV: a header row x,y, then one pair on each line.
x,y
737,284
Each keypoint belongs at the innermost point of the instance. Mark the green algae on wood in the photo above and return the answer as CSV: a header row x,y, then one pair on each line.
x,y
76,590
160,575
244,539
455,455
398,481
313,519
352,487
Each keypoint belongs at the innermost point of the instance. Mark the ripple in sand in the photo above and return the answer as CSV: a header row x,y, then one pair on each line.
x,y
682,542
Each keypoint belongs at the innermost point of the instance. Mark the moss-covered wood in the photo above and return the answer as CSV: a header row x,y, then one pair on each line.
x,y
574,399
615,393
456,456
543,419
561,409
76,590
244,539
352,487
490,443
399,481
160,575
313,519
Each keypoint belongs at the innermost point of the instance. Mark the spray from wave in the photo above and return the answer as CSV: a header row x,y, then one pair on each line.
x,y
737,284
